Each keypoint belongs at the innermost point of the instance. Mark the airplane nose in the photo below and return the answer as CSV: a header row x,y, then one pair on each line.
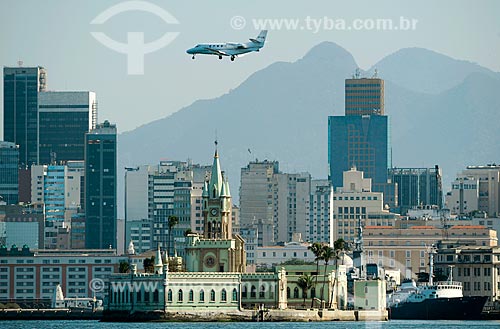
x,y
190,51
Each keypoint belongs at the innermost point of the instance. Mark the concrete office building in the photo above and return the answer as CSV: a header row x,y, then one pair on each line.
x,y
9,163
64,118
319,208
291,194
171,188
477,267
100,187
21,225
256,191
20,109
463,198
476,188
417,187
355,201
406,249
364,96
29,275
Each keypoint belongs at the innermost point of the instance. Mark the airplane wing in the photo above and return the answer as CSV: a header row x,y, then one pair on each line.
x,y
217,52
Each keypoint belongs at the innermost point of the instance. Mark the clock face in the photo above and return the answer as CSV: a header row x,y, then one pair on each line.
x,y
214,211
210,261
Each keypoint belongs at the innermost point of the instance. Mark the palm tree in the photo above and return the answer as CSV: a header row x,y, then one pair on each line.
x,y
172,221
124,267
328,253
317,249
305,282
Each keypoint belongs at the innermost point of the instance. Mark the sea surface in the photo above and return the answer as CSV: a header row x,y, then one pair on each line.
x,y
410,324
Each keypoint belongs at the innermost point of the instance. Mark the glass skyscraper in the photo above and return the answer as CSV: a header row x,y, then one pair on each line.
x,y
361,138
100,187
20,110
64,118
9,158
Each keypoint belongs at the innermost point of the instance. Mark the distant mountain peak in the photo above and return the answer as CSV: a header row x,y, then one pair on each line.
x,y
328,51
425,70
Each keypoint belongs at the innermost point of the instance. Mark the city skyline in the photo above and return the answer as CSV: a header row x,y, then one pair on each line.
x,y
167,78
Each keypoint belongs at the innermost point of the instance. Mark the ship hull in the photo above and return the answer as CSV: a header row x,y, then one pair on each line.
x,y
463,308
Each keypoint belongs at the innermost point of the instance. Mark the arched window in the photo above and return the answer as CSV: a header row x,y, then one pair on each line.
x,y
296,292
180,296
262,291
287,292
235,295
202,296
252,292
169,295
191,295
212,295
244,292
156,296
223,295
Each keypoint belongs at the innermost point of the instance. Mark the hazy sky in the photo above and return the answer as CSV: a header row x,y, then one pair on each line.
x,y
56,35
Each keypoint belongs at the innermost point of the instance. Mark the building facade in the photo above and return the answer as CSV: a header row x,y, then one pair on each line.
x,y
354,202
256,191
9,164
476,184
417,187
64,118
361,138
100,187
477,267
217,250
320,213
20,109
406,249
26,274
364,96
172,188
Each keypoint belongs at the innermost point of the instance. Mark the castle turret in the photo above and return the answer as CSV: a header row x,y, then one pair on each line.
x,y
158,262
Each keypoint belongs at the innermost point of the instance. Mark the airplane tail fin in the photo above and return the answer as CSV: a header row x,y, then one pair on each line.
x,y
261,38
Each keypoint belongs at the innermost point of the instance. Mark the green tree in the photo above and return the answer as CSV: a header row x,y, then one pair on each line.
x,y
327,255
317,249
148,264
305,282
172,221
124,267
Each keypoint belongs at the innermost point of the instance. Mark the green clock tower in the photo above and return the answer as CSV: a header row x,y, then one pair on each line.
x,y
217,250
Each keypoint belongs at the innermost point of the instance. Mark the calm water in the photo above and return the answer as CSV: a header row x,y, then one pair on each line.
x,y
250,325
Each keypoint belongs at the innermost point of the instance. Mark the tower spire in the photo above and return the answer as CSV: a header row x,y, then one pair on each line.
x,y
215,184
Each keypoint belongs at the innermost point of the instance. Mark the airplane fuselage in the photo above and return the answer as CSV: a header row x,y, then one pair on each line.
x,y
231,49
224,49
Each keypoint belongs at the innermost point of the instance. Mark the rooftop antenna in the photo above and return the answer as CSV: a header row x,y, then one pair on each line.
x,y
20,63
357,74
375,74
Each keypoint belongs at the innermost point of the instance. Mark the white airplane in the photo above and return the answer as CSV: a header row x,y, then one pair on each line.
x,y
229,48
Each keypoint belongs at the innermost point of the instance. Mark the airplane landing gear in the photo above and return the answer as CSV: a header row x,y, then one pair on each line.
x,y
192,57
220,57
232,58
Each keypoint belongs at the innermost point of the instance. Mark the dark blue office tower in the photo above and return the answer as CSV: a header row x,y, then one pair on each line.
x,y
361,138
361,142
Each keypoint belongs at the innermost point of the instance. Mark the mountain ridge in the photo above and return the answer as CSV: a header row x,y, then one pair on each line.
x,y
281,112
